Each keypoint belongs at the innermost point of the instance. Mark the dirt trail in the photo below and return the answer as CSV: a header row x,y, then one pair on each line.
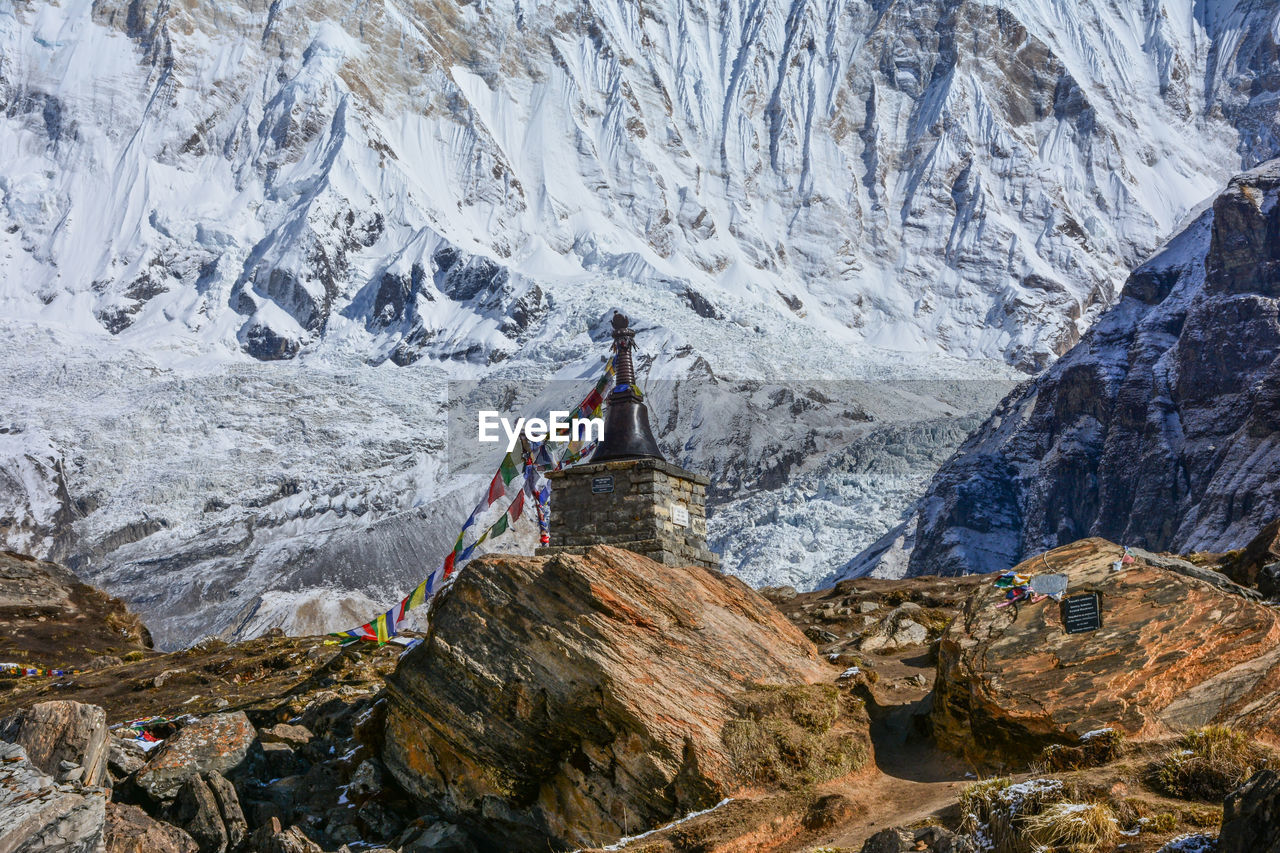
x,y
911,781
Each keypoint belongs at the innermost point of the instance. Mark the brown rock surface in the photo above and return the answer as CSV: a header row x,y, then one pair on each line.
x,y
572,699
131,830
54,732
48,618
259,675
270,838
1173,652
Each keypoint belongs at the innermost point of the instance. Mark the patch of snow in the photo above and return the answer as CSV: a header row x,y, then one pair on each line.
x,y
1198,843
623,842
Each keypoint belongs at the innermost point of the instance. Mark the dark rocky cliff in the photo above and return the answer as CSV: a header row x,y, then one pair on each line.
x,y
1161,428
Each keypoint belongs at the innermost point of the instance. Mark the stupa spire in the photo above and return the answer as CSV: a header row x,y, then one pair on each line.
x,y
627,434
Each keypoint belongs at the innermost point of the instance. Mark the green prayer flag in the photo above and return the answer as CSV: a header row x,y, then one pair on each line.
x,y
509,469
499,526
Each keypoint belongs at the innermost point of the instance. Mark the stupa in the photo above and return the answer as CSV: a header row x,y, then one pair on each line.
x,y
628,495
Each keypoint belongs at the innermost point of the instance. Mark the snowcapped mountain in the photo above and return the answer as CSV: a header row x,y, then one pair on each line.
x,y
1158,430
438,179
245,245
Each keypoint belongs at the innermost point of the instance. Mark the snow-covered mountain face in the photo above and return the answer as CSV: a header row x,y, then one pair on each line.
x,y
1161,429
245,244
411,179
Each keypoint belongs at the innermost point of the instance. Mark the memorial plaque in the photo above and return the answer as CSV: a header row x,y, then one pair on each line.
x,y
680,515
1082,613
602,485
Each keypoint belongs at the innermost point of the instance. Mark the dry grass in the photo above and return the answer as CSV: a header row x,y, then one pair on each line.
x,y
999,808
1074,827
796,736
1105,746
1038,815
1207,764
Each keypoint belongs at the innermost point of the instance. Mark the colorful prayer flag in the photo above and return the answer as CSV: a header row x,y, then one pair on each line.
x,y
541,457
509,469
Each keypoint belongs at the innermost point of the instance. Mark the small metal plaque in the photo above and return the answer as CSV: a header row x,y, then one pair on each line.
x,y
680,515
1051,585
602,485
1082,613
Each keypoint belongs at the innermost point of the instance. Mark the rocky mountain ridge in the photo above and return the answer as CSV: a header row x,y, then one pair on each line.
x,y
1157,430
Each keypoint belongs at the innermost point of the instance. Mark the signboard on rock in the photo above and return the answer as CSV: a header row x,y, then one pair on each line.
x,y
680,515
1082,613
602,485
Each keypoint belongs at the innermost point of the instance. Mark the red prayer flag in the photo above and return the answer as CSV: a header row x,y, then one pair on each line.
x,y
497,488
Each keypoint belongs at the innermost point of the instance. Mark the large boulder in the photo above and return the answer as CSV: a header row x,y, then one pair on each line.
x,y
1173,652
899,629
38,815
566,700
196,810
218,743
62,731
1251,816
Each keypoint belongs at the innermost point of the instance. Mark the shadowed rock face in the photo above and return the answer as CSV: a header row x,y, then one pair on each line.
x,y
1250,816
571,699
1157,430
1258,565
1173,652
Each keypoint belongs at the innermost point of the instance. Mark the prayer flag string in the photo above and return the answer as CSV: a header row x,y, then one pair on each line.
x,y
532,462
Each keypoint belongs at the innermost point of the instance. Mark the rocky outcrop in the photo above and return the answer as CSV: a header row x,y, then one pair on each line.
x,y
48,618
1173,652
1258,565
67,740
1156,430
219,743
570,699
1251,816
38,815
